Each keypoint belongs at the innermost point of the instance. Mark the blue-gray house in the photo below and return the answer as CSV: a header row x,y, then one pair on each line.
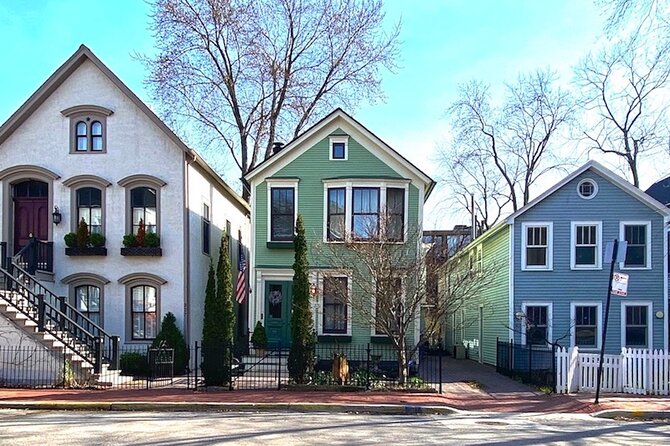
x,y
549,255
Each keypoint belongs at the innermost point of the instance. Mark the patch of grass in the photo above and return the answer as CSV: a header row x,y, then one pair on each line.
x,y
474,384
547,390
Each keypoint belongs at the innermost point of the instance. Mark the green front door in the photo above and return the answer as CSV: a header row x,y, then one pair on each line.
x,y
278,297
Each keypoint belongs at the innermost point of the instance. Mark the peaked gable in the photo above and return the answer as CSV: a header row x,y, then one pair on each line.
x,y
338,119
607,174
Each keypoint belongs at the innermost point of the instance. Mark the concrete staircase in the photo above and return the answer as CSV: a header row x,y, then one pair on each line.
x,y
22,315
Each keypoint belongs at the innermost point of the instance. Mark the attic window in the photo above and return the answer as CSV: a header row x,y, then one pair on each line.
x,y
88,128
339,148
587,188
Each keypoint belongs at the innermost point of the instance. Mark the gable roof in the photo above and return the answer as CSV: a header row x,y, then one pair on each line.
x,y
59,76
298,146
607,174
660,191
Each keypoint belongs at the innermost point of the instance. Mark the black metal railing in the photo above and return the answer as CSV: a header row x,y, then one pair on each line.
x,y
531,364
37,255
57,317
3,255
34,367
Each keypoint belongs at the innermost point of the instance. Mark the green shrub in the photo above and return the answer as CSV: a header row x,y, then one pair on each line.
x,y
174,339
82,234
129,240
96,240
70,240
259,338
134,364
152,240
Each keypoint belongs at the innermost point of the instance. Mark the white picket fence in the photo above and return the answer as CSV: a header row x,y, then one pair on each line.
x,y
638,371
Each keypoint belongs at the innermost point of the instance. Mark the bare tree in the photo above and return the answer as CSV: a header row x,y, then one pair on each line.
x,y
642,16
389,284
249,72
623,100
499,152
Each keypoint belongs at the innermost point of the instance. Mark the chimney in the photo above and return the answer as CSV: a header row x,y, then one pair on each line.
x,y
276,147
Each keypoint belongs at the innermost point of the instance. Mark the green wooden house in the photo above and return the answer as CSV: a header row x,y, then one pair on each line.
x,y
340,177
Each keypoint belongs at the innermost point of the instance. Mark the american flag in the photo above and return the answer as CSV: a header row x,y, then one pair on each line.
x,y
241,287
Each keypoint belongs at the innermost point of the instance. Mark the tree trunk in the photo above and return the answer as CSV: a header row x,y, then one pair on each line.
x,y
402,361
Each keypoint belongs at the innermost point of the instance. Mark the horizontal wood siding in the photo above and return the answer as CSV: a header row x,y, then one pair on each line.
x,y
563,285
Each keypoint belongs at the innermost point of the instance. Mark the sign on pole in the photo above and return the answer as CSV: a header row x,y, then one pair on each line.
x,y
620,253
619,284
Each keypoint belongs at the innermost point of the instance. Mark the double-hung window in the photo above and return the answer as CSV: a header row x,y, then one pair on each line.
x,y
336,213
637,234
586,320
365,213
89,208
537,239
88,303
144,312
335,314
636,320
143,207
586,245
395,214
537,320
282,214
206,229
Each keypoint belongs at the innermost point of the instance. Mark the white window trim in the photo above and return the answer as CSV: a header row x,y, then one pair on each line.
x,y
573,245
319,312
550,318
650,321
278,182
373,300
599,321
595,188
550,246
338,139
622,236
349,185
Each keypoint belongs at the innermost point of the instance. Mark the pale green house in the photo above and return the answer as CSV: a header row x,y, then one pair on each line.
x,y
339,176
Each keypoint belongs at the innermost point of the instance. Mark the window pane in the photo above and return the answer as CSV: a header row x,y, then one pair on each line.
x,y
636,254
585,337
585,255
138,214
82,143
96,128
82,298
282,219
336,227
338,150
536,256
138,326
96,143
150,325
150,216
395,208
150,296
138,299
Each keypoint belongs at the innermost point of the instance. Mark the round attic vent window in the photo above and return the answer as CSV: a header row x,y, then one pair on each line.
x,y
587,188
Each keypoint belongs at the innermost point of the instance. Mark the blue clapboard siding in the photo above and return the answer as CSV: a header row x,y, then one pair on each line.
x,y
563,285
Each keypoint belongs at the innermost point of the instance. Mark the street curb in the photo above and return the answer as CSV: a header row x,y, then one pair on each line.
x,y
375,409
612,414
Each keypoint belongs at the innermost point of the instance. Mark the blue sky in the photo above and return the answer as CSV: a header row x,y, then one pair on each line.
x,y
444,43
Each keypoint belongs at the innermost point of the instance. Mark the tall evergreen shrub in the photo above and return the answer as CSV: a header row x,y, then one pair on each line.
x,y
173,338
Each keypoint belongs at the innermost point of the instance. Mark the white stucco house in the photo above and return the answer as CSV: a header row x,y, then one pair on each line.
x,y
84,146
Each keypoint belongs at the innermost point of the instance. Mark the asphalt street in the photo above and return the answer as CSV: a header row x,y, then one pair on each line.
x,y
19,427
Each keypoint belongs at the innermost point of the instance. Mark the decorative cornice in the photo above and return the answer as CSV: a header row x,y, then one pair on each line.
x,y
80,179
141,179
82,109
29,169
144,277
84,277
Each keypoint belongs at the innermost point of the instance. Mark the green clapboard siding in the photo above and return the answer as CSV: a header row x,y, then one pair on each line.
x,y
463,327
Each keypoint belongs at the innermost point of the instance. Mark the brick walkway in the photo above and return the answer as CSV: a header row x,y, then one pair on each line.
x,y
491,393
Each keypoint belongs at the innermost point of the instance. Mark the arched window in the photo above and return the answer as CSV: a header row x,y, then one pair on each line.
x,y
143,207
144,312
82,137
96,136
88,302
89,208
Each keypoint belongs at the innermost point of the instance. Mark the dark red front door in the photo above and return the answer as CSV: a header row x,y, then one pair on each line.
x,y
31,212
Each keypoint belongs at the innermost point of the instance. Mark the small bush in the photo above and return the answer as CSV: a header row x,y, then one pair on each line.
x,y
134,364
70,240
174,339
82,234
97,240
259,339
129,240
152,240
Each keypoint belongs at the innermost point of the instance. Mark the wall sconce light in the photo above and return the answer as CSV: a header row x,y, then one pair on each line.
x,y
56,215
313,290
519,315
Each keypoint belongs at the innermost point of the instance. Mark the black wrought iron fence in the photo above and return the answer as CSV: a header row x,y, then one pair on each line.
x,y
34,367
531,364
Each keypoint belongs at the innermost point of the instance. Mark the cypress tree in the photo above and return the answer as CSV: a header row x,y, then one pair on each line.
x,y
212,334
301,354
224,294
